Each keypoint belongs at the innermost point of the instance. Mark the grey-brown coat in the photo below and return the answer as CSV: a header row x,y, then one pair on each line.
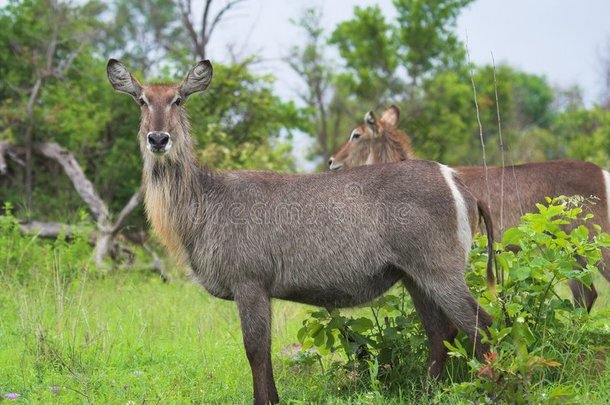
x,y
329,239
509,192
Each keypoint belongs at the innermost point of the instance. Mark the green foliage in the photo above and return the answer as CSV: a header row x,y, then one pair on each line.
x,y
147,33
442,125
26,258
241,123
442,121
426,35
379,349
325,97
583,134
436,97
39,40
368,46
538,337
69,334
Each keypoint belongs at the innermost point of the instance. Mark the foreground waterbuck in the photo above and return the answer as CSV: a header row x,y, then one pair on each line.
x,y
328,239
509,192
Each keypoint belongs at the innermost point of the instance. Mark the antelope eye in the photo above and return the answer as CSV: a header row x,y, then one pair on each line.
x,y
141,101
355,135
178,102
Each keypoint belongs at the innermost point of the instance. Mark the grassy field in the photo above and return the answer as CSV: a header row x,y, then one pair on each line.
x,y
130,337
123,337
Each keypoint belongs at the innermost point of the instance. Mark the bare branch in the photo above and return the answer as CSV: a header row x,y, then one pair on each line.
x,y
11,153
64,65
81,183
50,230
157,263
185,12
203,34
133,202
104,239
3,149
207,35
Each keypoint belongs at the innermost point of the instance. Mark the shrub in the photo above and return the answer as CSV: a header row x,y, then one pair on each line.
x,y
538,336
537,333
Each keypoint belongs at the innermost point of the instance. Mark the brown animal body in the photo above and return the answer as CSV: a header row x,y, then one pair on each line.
x,y
509,192
254,236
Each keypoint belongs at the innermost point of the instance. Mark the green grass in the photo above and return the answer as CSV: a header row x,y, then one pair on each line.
x,y
129,338
70,333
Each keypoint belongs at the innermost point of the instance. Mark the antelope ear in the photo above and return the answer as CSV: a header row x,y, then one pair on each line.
x,y
370,120
391,115
197,79
121,80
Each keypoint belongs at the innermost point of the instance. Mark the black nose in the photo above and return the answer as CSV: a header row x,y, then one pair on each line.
x,y
158,139
330,161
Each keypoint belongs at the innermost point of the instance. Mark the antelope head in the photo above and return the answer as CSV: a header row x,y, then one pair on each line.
x,y
366,141
164,127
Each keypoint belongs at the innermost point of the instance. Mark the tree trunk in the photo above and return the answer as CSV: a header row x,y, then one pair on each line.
x,y
29,139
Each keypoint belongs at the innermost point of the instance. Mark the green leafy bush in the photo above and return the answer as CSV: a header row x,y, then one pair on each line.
x,y
537,338
378,350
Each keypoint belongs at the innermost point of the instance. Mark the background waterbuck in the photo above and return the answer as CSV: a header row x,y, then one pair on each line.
x,y
509,193
329,239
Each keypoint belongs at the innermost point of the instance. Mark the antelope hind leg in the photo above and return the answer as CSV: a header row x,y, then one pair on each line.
x,y
437,326
455,300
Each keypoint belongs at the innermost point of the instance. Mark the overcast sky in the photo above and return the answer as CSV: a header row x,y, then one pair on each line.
x,y
561,39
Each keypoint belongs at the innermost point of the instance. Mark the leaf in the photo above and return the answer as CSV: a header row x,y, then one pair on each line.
x,y
319,339
522,333
362,325
301,334
580,233
519,273
562,393
457,350
512,236
513,308
315,328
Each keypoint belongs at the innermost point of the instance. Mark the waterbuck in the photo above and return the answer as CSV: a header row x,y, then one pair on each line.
x,y
327,239
380,141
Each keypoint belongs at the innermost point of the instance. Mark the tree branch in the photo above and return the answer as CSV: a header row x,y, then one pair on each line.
x,y
133,202
49,230
3,150
203,34
185,11
207,35
81,183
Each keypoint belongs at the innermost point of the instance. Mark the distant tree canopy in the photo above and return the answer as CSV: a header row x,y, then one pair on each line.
x,y
417,62
53,87
52,63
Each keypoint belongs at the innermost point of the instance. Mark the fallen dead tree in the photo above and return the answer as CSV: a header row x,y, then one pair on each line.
x,y
105,236
51,230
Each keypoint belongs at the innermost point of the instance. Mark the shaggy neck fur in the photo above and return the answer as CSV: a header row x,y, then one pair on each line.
x,y
394,147
175,191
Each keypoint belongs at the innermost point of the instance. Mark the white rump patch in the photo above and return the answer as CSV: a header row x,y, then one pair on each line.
x,y
607,185
464,233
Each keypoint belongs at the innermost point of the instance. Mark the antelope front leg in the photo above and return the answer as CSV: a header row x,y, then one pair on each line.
x,y
254,308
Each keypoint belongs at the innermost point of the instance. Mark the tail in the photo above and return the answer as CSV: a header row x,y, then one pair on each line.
x,y
484,213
